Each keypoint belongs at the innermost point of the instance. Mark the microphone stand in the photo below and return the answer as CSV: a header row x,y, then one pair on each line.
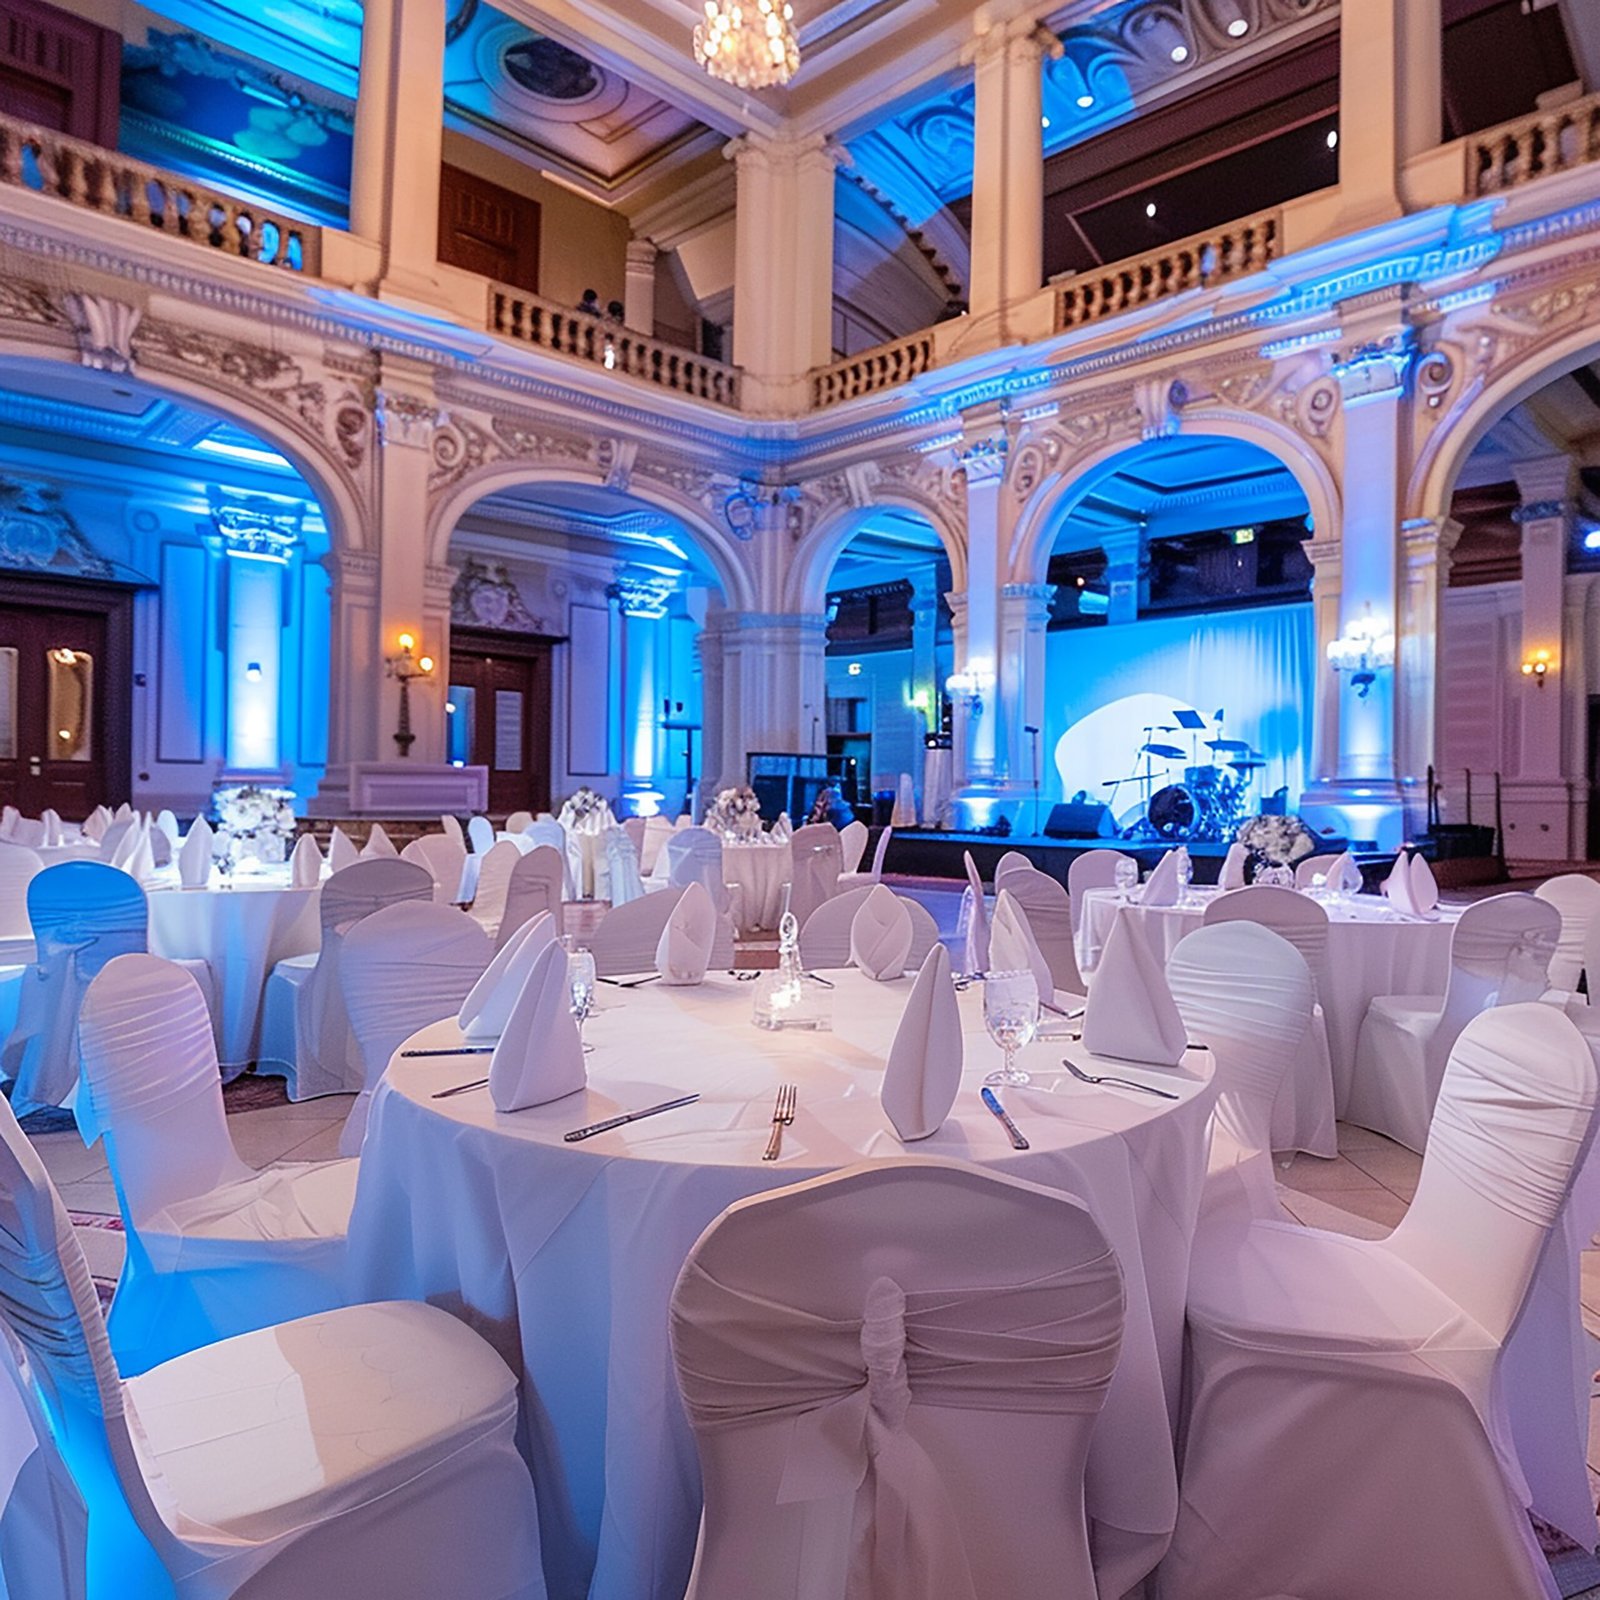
x,y
1033,733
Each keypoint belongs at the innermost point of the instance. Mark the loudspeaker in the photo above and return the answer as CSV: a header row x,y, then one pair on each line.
x,y
1075,821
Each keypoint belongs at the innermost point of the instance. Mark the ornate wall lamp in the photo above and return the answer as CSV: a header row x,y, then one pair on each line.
x,y
1538,665
1364,649
404,667
967,685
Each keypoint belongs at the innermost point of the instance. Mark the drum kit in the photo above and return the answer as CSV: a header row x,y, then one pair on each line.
x,y
1212,800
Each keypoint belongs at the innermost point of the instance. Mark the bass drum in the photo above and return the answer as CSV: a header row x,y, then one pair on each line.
x,y
1172,812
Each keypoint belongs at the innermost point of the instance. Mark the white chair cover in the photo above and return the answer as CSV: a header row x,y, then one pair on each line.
x,y
623,882
694,855
634,827
451,826
852,846
480,835
518,820
814,868
893,1374
657,830
1094,869
825,937
494,884
1577,899
445,861
1500,954
401,968
628,936
214,1247
1246,993
1297,1335
305,1030
1011,861
18,868
533,888
1303,1118
1044,902
874,874
363,1451
546,830
115,843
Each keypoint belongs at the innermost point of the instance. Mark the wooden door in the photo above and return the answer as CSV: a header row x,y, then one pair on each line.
x,y
65,713
488,229
500,695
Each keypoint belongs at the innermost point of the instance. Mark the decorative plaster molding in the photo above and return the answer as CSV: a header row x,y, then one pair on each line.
x,y
1543,511
104,329
39,534
642,593
484,596
405,419
255,525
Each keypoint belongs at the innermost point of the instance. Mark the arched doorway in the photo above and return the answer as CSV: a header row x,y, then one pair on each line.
x,y
1179,644
576,625
165,617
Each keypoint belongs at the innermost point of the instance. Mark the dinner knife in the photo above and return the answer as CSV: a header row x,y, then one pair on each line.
x,y
992,1100
627,1116
460,1050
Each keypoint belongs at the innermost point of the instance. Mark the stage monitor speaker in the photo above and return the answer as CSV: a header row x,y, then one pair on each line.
x,y
1075,821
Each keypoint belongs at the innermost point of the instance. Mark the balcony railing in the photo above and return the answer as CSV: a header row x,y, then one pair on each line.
x,y
884,366
101,180
1199,262
1534,147
515,314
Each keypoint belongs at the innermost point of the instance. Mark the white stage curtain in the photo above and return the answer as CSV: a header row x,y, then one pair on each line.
x,y
1102,685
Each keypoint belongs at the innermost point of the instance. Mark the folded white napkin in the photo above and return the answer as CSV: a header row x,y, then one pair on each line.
x,y
923,1073
684,950
123,813
1131,1015
1013,948
52,826
194,856
880,934
123,839
140,861
484,1012
1343,875
1232,875
168,824
160,844
539,1056
378,844
96,823
342,852
1424,887
305,863
1162,888
783,828
1397,886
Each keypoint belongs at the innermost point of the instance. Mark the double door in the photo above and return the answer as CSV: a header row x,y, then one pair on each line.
x,y
498,716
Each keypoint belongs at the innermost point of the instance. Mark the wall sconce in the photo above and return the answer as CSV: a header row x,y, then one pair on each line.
x,y
404,667
1537,666
967,685
1364,649
252,673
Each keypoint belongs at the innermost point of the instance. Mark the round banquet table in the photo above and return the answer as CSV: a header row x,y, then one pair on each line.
x,y
759,869
240,932
564,1255
1372,950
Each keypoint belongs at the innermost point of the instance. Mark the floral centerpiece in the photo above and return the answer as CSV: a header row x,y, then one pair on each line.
x,y
261,819
1276,841
735,811
582,808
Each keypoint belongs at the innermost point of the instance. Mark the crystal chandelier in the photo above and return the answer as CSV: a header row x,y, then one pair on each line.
x,y
750,43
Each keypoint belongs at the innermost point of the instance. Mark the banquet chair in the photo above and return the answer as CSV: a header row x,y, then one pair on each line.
x,y
825,937
634,828
403,967
518,820
1094,869
445,861
215,1248
18,868
815,862
893,1374
625,939
305,1031
83,914
1044,902
29,831
480,835
1245,993
362,1451
533,887
113,842
874,874
1577,899
852,846
694,855
451,827
1309,868
1011,861
1500,954
623,882
1384,1356
657,830
547,831
494,885
1303,1118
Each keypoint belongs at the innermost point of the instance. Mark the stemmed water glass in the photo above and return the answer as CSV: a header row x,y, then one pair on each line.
x,y
222,843
1185,874
580,984
1127,876
1011,1014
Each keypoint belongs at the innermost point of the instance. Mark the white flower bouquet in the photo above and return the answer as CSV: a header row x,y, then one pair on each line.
x,y
580,807
735,811
1276,841
264,816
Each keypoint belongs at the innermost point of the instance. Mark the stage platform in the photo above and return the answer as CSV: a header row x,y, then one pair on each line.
x,y
928,853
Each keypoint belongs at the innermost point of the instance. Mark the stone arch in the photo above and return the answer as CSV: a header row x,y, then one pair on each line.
x,y
328,480
1041,514
805,586
720,549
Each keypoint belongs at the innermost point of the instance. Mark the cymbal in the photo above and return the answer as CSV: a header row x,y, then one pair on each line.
x,y
1236,747
1167,752
1248,764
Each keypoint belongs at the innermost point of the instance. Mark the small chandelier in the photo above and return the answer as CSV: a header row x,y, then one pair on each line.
x,y
1364,649
750,43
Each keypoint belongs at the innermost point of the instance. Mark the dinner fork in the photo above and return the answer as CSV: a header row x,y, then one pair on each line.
x,y
1119,1083
782,1116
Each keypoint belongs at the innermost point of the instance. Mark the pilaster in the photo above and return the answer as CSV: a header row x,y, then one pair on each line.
x,y
639,297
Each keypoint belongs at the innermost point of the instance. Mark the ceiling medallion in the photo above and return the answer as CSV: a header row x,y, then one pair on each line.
x,y
750,43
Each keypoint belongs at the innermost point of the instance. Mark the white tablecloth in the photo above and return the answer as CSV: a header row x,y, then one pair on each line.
x,y
760,871
1372,950
564,1255
240,932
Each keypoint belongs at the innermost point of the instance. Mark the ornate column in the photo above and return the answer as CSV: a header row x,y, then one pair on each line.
x,y
1327,597
1426,543
714,719
1127,573
773,686
1007,167
925,684
1024,615
641,598
355,676
639,297
783,265
980,754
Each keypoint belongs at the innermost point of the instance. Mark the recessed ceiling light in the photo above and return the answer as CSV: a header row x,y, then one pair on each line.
x,y
1150,209
1333,138
1238,28
1085,101
1180,52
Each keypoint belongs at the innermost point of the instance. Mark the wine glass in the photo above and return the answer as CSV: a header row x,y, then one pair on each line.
x,y
1127,875
222,843
1185,873
1011,1014
580,984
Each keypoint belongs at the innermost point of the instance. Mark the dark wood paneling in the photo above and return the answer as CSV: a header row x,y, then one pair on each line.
x,y
60,71
487,229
